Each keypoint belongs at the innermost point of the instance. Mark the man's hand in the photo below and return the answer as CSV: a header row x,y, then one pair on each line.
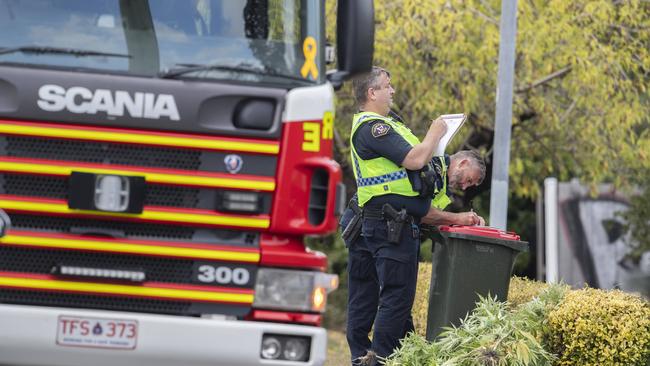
x,y
481,221
438,217
438,127
469,218
421,153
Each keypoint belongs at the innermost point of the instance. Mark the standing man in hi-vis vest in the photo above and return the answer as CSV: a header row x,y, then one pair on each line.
x,y
399,185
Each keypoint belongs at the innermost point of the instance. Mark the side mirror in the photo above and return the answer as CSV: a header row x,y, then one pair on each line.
x,y
355,38
5,223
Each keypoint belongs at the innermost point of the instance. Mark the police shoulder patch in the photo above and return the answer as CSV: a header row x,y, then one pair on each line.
x,y
380,129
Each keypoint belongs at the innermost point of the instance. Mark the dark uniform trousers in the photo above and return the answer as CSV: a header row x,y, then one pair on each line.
x,y
381,287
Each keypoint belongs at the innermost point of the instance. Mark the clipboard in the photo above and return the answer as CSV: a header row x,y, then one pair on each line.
x,y
454,122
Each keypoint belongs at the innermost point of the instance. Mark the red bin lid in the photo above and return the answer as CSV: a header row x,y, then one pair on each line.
x,y
484,231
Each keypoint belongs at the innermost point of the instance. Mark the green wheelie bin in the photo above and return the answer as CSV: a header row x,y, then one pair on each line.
x,y
468,261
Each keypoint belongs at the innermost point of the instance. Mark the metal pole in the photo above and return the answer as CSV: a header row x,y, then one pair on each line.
x,y
540,248
550,230
503,118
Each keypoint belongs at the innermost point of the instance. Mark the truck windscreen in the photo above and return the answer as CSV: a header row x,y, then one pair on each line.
x,y
273,41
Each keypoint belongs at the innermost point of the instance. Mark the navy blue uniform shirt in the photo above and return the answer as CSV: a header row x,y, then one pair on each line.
x,y
374,139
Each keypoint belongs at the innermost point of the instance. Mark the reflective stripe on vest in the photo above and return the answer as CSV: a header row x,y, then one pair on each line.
x,y
380,176
440,199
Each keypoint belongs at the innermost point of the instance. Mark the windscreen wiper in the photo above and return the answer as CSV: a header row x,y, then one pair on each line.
x,y
59,50
189,68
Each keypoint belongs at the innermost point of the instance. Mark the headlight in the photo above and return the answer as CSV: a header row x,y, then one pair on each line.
x,y
293,290
285,347
295,349
271,348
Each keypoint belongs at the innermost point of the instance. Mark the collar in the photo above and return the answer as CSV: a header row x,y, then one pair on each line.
x,y
391,114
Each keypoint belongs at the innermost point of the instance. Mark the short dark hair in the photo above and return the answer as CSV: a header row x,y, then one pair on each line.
x,y
365,81
476,158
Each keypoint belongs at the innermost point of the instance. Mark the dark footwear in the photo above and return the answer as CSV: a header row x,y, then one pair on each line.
x,y
370,359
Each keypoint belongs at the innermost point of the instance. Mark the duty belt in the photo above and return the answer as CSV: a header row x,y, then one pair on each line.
x,y
375,213
395,221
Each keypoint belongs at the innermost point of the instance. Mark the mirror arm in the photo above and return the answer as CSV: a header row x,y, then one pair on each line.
x,y
336,78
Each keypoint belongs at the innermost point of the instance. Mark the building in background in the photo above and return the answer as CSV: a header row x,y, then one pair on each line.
x,y
592,246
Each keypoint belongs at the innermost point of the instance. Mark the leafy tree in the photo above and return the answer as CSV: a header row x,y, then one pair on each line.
x,y
581,101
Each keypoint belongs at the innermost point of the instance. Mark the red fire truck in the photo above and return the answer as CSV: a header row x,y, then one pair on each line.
x,y
161,163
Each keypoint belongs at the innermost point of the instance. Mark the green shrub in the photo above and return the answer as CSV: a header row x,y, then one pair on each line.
x,y
582,328
522,290
494,336
491,335
536,311
595,327
414,350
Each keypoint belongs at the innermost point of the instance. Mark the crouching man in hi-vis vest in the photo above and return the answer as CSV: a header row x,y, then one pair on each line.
x,y
399,184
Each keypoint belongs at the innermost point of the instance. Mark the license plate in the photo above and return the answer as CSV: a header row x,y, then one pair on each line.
x,y
79,331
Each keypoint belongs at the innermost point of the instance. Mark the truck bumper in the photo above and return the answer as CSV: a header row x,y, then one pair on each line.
x,y
28,337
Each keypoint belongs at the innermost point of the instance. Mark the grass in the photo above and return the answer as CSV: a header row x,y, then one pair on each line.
x,y
338,352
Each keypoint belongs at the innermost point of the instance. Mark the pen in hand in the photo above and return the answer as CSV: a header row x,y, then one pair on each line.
x,y
474,216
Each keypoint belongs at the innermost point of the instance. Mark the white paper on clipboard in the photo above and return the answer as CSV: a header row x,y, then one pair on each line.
x,y
454,121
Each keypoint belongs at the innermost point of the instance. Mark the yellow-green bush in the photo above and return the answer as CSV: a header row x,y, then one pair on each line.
x,y
596,327
522,290
421,302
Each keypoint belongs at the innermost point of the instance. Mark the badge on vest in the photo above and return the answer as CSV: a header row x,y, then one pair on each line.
x,y
380,129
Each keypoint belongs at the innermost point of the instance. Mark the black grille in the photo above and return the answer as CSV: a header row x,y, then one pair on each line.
x,y
28,185
93,302
132,155
133,230
128,229
106,153
117,303
318,196
173,196
53,187
167,270
43,260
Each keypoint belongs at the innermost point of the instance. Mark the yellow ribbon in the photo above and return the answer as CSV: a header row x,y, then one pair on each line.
x,y
310,50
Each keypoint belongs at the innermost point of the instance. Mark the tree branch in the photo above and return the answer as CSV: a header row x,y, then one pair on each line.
x,y
488,7
566,113
484,16
560,73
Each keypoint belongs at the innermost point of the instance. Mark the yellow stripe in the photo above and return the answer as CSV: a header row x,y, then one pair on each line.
x,y
130,248
252,222
114,289
150,177
140,138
